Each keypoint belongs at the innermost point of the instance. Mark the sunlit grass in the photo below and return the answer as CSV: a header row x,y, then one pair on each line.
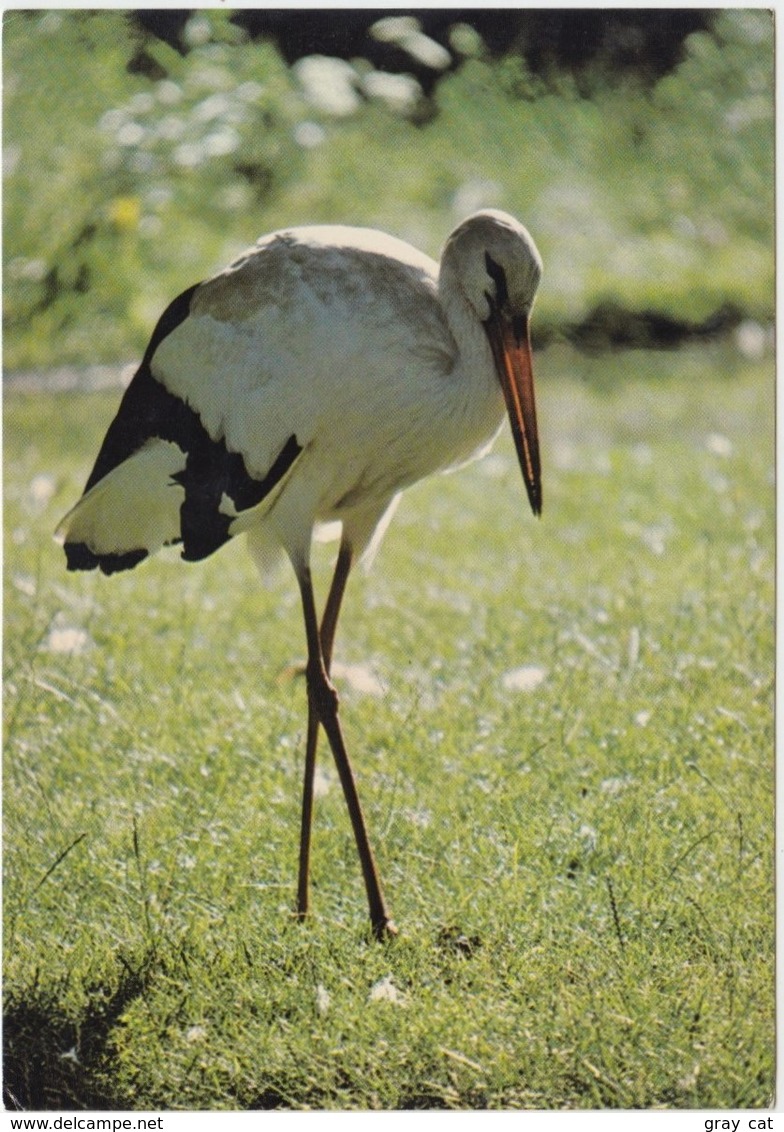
x,y
581,871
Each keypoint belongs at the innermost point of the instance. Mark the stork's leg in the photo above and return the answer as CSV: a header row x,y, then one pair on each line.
x,y
323,702
327,635
303,882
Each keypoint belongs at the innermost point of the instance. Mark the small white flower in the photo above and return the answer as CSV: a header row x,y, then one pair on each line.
x,y
359,678
719,445
322,782
386,991
42,488
323,999
524,679
68,640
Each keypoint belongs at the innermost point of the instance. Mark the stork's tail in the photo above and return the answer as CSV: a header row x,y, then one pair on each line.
x,y
130,513
160,496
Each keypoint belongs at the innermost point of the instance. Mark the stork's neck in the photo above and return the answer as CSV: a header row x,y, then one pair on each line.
x,y
475,359
475,396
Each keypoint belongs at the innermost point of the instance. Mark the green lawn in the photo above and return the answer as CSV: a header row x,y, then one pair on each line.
x,y
564,749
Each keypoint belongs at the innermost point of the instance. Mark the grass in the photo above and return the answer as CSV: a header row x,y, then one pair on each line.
x,y
582,872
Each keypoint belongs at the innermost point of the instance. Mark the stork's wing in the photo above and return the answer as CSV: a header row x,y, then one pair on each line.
x,y
161,478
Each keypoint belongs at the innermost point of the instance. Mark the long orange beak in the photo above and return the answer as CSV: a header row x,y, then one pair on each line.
x,y
511,346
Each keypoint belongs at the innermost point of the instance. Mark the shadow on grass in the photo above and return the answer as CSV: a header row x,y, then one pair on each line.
x,y
54,1060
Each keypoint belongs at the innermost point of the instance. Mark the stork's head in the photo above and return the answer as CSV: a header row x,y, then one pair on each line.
x,y
497,262
492,260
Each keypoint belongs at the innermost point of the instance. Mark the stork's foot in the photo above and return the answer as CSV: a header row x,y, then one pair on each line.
x,y
385,930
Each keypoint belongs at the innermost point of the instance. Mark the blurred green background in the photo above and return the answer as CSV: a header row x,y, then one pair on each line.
x,y
141,156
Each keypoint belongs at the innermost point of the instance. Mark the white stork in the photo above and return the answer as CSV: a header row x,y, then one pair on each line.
x,y
322,372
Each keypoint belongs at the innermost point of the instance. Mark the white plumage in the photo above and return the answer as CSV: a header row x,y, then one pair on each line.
x,y
316,377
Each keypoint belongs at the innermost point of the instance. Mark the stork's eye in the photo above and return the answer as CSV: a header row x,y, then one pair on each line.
x,y
498,275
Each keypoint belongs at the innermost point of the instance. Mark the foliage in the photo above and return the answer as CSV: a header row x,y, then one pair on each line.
x,y
128,189
566,765
131,181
